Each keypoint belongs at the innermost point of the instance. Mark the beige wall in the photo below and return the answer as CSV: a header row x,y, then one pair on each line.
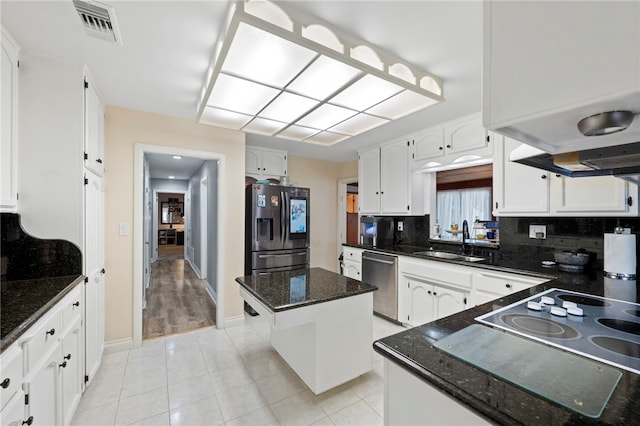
x,y
322,178
124,129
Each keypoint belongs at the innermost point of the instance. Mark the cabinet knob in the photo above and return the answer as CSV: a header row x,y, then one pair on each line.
x,y
99,160
543,177
63,365
440,148
102,271
448,146
29,421
52,331
67,356
76,304
508,285
5,383
557,174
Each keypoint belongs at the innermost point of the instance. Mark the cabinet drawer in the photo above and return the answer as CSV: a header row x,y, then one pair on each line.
x,y
72,306
436,272
353,254
10,374
504,284
42,337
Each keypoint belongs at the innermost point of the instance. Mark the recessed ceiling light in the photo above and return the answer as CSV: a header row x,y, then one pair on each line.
x,y
172,177
605,123
177,157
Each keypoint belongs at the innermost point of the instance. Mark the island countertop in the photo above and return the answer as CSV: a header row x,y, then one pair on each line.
x,y
496,399
283,290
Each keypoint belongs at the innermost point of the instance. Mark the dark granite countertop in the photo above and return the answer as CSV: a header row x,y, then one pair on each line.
x,y
496,399
284,290
23,302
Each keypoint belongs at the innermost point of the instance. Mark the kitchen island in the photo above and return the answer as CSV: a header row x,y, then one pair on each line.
x,y
431,383
321,322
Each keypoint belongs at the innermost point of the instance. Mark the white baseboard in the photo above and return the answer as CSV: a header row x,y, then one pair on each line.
x,y
196,270
118,345
233,321
212,294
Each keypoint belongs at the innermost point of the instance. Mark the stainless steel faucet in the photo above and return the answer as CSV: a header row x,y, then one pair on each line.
x,y
465,235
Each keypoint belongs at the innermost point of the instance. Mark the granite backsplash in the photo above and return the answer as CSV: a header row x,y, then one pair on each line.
x,y
25,257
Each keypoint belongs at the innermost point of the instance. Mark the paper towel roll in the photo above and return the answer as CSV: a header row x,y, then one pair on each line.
x,y
620,254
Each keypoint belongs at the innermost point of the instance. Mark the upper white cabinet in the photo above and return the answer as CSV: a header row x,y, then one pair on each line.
x,y
521,190
547,64
93,127
9,109
385,180
450,141
265,163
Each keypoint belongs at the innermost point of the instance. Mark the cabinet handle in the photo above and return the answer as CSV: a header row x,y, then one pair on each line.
x,y
508,285
5,383
76,304
67,356
52,331
63,365
435,294
29,421
448,146
377,192
99,160
543,177
428,291
440,148
102,271
630,201
557,175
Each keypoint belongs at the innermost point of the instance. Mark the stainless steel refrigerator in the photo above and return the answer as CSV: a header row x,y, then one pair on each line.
x,y
276,228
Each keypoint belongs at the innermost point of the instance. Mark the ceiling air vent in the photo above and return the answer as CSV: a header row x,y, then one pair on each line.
x,y
99,20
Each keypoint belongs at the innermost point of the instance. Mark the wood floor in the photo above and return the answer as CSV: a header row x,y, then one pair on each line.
x,y
177,300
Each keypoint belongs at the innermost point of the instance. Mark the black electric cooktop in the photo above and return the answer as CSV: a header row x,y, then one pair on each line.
x,y
603,329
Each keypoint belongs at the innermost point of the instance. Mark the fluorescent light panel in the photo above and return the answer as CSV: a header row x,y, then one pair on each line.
x,y
268,78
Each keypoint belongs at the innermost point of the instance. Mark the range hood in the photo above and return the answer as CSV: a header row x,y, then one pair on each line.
x,y
621,161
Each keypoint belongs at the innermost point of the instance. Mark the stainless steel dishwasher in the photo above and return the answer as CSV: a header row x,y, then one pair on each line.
x,y
381,270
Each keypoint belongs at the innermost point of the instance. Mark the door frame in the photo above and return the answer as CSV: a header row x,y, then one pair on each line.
x,y
138,218
204,229
342,209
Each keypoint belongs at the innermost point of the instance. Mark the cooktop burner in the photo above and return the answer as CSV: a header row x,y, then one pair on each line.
x,y
606,330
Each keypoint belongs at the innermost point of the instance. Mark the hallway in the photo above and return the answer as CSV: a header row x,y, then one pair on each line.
x,y
177,300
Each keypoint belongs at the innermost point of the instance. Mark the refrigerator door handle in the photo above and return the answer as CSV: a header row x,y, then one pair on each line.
x,y
283,216
267,256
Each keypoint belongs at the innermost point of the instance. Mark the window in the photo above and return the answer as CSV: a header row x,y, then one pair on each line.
x,y
464,194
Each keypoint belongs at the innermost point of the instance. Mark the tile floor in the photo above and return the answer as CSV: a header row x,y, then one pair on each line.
x,y
224,377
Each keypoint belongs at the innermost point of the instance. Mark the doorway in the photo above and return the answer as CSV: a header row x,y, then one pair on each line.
x,y
348,223
143,234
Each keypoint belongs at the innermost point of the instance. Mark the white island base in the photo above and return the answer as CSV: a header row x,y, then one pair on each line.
x,y
326,344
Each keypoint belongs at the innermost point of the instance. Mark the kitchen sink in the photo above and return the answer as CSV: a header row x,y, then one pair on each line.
x,y
450,256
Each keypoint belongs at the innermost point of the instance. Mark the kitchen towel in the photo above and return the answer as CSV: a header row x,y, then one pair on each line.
x,y
620,254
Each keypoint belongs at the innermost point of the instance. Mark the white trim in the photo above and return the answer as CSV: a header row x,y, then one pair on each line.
x,y
342,208
212,295
138,240
234,321
118,345
204,228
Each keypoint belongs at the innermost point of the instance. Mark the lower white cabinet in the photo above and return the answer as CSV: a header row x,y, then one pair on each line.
x,y
48,386
488,286
428,290
352,260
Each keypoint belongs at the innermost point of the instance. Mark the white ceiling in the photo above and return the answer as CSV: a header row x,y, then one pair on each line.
x,y
167,45
162,166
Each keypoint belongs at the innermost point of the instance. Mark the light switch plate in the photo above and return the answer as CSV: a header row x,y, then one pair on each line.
x,y
400,225
538,232
124,229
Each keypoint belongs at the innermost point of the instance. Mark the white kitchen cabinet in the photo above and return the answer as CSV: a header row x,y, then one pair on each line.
x,y
490,285
529,79
352,260
11,364
595,196
43,389
9,60
428,290
262,163
72,372
94,271
448,142
386,185
13,414
93,127
520,190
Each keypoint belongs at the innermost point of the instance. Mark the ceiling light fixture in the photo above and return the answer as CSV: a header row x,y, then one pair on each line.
x,y
273,76
172,177
177,157
605,123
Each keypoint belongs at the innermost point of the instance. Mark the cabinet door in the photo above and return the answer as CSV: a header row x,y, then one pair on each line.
x,y
42,386
13,414
465,136
252,160
352,270
93,128
72,371
369,181
94,323
420,301
394,178
8,141
593,195
517,189
448,301
428,145
274,163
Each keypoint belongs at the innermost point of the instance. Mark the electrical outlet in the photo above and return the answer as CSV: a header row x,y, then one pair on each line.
x,y
538,232
400,225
